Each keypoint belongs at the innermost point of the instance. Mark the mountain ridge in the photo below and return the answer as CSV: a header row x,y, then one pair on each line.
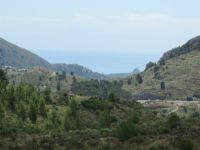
x,y
10,54
15,56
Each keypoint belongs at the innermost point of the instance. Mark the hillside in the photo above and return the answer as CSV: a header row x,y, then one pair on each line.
x,y
179,72
123,75
12,55
79,70
15,56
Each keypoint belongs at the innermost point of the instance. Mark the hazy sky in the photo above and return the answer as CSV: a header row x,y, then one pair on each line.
x,y
105,35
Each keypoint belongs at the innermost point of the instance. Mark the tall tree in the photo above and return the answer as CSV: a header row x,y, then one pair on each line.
x,y
33,113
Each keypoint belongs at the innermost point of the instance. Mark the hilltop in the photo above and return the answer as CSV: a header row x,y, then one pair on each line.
x,y
178,71
79,71
12,55
15,56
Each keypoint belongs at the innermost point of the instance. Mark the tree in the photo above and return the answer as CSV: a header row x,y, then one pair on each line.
x,y
156,68
42,107
139,78
2,111
105,119
22,113
149,65
162,62
12,99
3,79
58,87
162,85
73,108
54,120
64,75
72,73
67,122
33,113
129,81
47,95
112,98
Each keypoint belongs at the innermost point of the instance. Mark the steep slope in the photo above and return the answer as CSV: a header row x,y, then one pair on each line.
x,y
12,55
79,70
178,69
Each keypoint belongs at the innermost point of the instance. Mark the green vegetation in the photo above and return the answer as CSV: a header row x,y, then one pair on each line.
x,y
101,89
62,111
41,119
177,68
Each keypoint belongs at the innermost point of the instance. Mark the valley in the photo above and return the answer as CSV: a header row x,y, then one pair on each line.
x,y
60,106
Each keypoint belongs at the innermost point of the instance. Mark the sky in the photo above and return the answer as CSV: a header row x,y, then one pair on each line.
x,y
108,36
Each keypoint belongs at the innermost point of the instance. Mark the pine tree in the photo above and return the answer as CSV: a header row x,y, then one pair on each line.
x,y
42,107
12,99
33,113
22,111
74,108
47,95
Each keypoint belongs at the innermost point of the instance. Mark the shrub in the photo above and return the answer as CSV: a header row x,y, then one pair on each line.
x,y
187,144
173,120
162,85
54,120
196,94
162,62
149,65
94,103
189,98
128,129
47,95
154,148
73,108
139,78
112,98
105,119
156,69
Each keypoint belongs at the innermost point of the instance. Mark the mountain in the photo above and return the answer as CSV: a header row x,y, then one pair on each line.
x,y
15,56
178,71
123,75
79,70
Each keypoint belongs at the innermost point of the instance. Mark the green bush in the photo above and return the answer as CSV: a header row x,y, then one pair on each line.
x,y
128,129
73,108
154,148
94,103
187,144
173,120
105,119
189,98
162,85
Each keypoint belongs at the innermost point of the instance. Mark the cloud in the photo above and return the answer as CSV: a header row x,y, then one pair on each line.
x,y
136,18
28,19
140,19
82,18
